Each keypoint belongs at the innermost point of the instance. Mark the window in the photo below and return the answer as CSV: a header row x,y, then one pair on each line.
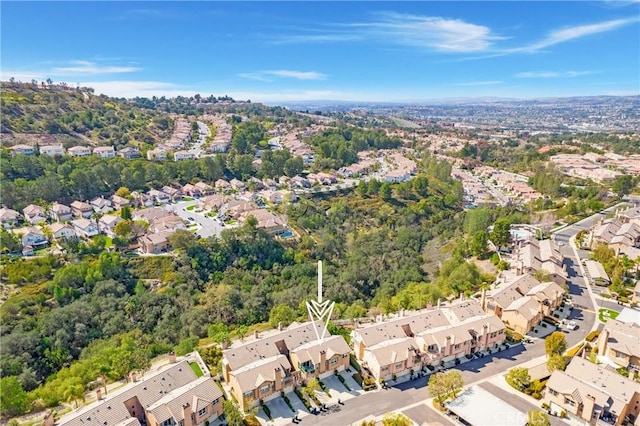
x,y
552,392
399,365
334,360
456,347
569,402
248,394
384,368
202,412
265,388
167,422
181,423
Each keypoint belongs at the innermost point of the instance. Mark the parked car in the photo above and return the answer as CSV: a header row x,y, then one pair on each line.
x,y
571,325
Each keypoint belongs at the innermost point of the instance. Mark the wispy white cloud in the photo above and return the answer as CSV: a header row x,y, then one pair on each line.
x,y
575,32
479,83
437,33
269,75
553,74
90,68
72,70
440,34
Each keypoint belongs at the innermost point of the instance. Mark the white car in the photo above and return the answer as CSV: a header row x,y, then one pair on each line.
x,y
571,325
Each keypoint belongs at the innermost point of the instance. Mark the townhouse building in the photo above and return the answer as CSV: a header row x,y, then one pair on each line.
x,y
183,155
521,301
173,396
531,255
619,342
618,233
261,368
429,337
32,236
593,393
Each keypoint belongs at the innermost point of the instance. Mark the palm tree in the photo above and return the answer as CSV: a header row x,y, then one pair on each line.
x,y
74,392
96,217
104,370
130,307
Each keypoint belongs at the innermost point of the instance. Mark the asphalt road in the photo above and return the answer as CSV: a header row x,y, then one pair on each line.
x,y
207,226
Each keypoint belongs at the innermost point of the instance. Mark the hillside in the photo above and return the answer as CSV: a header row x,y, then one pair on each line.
x,y
42,113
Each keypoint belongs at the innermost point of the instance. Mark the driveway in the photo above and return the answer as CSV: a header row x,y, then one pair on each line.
x,y
207,226
280,412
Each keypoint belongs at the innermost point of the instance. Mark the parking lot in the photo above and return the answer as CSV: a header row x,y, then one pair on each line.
x,y
281,414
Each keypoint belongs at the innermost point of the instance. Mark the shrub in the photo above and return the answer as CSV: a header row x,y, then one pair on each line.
x,y
545,406
344,382
266,410
304,400
354,363
288,401
536,395
592,336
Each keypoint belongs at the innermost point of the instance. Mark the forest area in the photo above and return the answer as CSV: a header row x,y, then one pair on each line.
x,y
89,317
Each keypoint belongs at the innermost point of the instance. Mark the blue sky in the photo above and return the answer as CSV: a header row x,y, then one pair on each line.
x,y
367,51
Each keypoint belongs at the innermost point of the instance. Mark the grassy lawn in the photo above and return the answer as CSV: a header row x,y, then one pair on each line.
x,y
187,199
191,207
196,369
604,314
108,242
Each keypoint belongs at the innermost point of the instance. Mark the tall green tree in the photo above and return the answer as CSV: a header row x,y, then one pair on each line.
x,y
518,378
501,235
555,344
14,400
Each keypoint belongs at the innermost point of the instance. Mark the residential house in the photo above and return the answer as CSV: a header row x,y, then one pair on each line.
x,y
259,369
266,220
140,199
60,212
104,152
170,222
81,209
532,255
222,185
430,337
300,182
79,151
619,342
9,218
204,188
85,227
235,208
149,214
157,154
129,153
183,155
191,191
236,184
172,396
174,193
22,149
213,202
617,233
593,393
159,197
34,214
155,243
275,197
32,236
119,202
522,302
51,150
62,231
322,178
107,224
101,205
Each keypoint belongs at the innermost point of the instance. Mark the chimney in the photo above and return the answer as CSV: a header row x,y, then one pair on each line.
x,y
447,350
438,304
280,326
483,298
186,413
99,394
49,419
461,296
172,357
224,344
323,361
256,334
277,374
133,376
485,335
